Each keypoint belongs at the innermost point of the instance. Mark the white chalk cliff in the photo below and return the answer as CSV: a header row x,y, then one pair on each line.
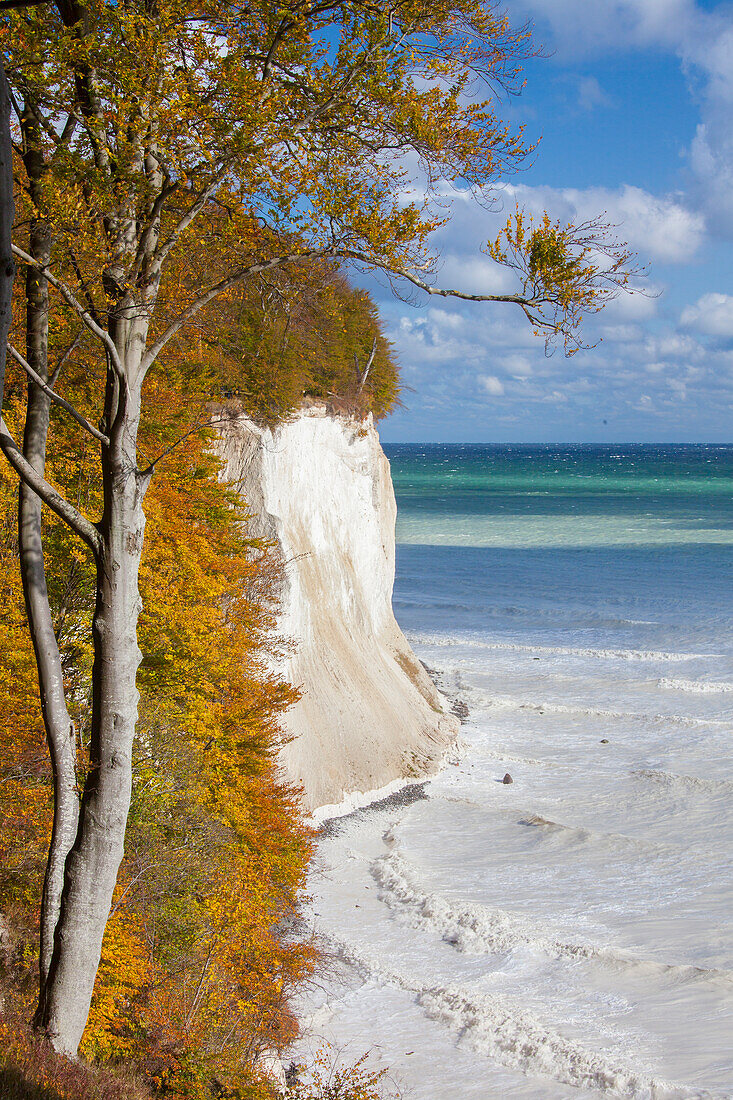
x,y
369,714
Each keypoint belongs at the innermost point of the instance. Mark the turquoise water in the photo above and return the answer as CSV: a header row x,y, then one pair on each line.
x,y
565,496
608,547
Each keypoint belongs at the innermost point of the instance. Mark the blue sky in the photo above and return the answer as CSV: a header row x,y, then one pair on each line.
x,y
634,108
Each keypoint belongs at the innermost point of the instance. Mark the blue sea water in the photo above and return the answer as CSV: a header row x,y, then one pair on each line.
x,y
570,933
618,545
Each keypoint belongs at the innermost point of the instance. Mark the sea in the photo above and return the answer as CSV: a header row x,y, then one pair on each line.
x,y
569,932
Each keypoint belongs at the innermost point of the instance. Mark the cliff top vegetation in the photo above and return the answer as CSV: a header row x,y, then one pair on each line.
x,y
278,340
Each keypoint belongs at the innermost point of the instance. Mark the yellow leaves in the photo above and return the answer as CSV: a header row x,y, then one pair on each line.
x,y
566,271
299,119
194,978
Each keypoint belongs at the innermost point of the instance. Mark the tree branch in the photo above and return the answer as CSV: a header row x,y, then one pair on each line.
x,y
67,354
69,296
361,376
90,301
516,299
202,427
57,397
50,496
162,251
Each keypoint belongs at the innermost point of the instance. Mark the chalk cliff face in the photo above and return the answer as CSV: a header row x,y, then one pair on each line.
x,y
369,714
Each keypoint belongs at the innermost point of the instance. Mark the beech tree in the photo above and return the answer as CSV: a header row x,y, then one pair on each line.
x,y
166,153
195,972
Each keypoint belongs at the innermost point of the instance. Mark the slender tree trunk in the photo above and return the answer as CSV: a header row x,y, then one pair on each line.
x,y
93,863
59,729
7,214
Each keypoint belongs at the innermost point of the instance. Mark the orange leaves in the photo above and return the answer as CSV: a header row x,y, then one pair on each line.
x,y
124,971
196,971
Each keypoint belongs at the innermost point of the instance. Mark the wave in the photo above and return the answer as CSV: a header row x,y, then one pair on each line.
x,y
560,651
510,702
521,1040
475,929
684,782
578,836
698,687
497,1028
511,758
529,610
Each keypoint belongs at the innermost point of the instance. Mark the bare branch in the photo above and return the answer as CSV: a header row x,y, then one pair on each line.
x,y
57,397
443,292
90,301
66,134
151,230
69,296
363,375
64,358
204,426
50,496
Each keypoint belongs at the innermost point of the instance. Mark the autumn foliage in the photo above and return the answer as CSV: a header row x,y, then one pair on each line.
x,y
197,965
277,340
189,180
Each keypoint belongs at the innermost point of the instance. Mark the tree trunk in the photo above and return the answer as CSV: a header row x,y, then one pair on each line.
x,y
7,214
93,863
59,729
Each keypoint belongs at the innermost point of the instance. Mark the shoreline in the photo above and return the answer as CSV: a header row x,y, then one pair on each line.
x,y
403,790
404,795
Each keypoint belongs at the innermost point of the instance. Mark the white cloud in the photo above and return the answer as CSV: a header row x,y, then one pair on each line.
x,y
491,384
472,274
518,366
443,318
632,308
591,94
658,228
672,346
712,315
582,27
621,334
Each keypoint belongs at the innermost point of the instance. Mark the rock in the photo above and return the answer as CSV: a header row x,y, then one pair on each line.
x,y
507,778
269,1064
604,740
460,709
292,1073
319,484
